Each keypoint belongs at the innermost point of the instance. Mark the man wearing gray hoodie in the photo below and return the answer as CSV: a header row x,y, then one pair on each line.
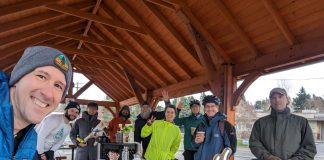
x,y
81,129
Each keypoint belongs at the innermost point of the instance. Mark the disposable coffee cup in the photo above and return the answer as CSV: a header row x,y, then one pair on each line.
x,y
193,129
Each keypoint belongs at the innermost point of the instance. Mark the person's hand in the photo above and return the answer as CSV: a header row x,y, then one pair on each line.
x,y
199,138
150,121
93,136
82,145
180,105
165,95
272,157
43,157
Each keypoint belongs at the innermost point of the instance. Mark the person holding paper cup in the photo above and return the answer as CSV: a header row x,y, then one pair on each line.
x,y
207,137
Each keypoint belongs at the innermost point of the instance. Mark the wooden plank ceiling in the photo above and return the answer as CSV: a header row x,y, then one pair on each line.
x,y
142,46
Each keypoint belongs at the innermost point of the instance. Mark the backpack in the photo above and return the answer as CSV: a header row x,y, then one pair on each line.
x,y
231,133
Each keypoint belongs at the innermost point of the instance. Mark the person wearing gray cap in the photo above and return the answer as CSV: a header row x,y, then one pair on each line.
x,y
38,82
53,130
282,135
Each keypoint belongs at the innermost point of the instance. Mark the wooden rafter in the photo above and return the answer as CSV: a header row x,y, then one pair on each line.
x,y
234,24
280,22
118,72
188,17
147,49
7,10
124,59
134,52
31,20
244,86
204,55
95,18
172,30
162,44
298,54
38,31
100,103
99,85
115,83
110,89
81,90
84,53
179,3
139,78
133,84
119,81
86,39
163,4
86,30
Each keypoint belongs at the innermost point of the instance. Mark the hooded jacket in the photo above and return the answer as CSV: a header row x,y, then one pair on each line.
x,y
188,122
27,147
165,140
284,135
113,124
213,142
82,127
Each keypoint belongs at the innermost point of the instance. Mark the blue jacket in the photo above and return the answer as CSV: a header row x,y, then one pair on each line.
x,y
27,147
214,142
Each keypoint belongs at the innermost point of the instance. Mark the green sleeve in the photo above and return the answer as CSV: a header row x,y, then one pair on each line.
x,y
179,121
147,130
175,145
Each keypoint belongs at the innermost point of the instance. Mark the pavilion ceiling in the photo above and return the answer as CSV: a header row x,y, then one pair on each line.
x,y
134,47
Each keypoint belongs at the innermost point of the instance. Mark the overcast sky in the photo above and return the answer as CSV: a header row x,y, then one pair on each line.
x,y
311,77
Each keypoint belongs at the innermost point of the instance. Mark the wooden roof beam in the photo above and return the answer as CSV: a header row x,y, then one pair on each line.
x,y
86,39
116,67
234,24
86,30
297,55
244,86
14,25
99,85
34,32
186,87
83,53
23,6
84,88
95,18
179,3
147,49
172,30
111,88
148,65
123,61
204,55
163,4
189,18
117,85
280,22
116,90
134,86
100,103
154,36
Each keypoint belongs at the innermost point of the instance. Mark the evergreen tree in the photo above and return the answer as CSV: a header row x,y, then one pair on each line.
x,y
301,100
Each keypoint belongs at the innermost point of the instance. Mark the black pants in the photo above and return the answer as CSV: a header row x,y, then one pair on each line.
x,y
189,155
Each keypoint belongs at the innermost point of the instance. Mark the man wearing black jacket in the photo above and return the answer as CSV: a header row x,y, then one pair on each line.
x,y
146,113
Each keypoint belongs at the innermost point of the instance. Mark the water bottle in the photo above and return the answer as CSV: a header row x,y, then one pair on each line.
x,y
125,153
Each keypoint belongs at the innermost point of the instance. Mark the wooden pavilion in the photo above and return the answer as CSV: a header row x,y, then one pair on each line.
x,y
132,49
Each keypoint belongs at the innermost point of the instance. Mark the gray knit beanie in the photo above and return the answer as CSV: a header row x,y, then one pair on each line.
x,y
39,56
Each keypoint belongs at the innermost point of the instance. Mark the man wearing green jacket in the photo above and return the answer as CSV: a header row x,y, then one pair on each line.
x,y
282,135
190,123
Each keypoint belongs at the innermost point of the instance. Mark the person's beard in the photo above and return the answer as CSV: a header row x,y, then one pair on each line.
x,y
146,115
69,117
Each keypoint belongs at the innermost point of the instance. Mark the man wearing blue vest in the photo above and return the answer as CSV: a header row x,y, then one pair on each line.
x,y
37,84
